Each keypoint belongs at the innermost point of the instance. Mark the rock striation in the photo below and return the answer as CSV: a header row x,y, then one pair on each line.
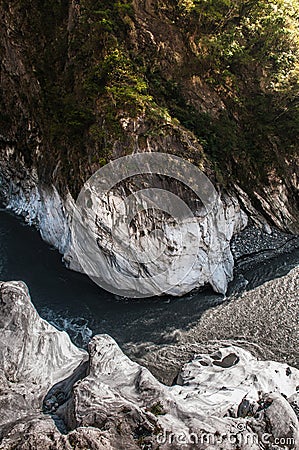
x,y
156,240
226,398
52,214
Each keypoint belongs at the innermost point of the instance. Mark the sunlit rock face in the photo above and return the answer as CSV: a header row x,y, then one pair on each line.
x,y
152,253
116,403
204,257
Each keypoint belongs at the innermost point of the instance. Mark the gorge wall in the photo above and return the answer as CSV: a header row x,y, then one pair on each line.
x,y
86,82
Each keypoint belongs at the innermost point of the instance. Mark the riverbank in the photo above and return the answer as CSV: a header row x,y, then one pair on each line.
x,y
263,321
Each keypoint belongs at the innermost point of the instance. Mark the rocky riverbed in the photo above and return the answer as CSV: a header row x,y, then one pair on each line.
x,y
263,320
56,396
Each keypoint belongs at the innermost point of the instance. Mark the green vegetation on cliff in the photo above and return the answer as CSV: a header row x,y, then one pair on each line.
x,y
224,70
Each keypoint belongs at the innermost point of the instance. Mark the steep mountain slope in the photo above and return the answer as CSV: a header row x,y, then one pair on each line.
x,y
215,82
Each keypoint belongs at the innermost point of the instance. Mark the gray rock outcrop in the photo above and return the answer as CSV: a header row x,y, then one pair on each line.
x,y
225,398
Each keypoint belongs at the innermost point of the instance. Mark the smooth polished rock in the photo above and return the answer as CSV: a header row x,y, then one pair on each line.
x,y
227,397
209,252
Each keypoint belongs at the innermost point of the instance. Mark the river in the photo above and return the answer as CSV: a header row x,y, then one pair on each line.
x,y
71,301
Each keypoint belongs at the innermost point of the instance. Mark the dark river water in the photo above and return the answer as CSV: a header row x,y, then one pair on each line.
x,y
71,301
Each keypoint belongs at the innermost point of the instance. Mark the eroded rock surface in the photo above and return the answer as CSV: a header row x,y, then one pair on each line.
x,y
226,398
52,214
263,320
33,356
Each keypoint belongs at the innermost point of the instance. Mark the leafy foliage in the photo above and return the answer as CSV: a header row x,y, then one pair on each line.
x,y
96,71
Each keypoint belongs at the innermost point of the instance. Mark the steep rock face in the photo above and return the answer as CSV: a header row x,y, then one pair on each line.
x,y
42,206
85,82
147,245
227,397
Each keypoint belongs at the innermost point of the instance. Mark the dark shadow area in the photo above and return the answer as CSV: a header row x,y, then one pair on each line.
x,y
60,394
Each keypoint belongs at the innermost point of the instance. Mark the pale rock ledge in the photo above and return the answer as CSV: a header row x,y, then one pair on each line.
x,y
115,403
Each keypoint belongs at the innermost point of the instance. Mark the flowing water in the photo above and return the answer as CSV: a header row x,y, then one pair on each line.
x,y
71,301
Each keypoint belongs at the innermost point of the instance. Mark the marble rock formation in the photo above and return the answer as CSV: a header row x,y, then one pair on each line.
x,y
226,399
